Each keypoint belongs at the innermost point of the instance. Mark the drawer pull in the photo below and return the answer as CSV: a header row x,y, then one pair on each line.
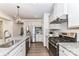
x,y
53,45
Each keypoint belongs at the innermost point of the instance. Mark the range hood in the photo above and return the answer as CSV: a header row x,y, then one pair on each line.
x,y
62,19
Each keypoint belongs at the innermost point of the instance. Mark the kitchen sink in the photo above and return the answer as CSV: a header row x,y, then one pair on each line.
x,y
9,44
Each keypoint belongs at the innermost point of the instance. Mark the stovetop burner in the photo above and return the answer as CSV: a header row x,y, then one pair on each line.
x,y
58,39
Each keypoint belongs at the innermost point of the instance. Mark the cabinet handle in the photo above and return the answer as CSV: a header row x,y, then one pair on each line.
x,y
53,44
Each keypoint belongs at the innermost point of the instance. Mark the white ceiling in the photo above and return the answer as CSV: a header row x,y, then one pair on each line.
x,y
27,10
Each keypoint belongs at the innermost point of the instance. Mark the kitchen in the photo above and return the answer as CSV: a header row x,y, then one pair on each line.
x,y
49,29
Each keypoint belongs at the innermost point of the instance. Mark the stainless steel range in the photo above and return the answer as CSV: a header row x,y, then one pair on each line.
x,y
54,46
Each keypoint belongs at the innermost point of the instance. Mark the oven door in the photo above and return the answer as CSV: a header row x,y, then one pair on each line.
x,y
53,49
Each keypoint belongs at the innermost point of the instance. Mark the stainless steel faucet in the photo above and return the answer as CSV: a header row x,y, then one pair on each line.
x,y
5,37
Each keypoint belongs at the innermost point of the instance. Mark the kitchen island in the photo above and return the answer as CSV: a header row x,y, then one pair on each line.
x,y
18,49
69,49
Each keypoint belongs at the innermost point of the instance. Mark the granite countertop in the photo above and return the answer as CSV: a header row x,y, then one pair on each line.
x,y
5,51
71,47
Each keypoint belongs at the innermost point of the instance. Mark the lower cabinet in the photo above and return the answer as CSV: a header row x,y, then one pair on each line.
x,y
64,52
20,50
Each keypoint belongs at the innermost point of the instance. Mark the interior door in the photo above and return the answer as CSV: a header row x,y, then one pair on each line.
x,y
38,34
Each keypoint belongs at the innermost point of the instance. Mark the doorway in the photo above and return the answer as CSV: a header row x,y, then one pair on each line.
x,y
37,34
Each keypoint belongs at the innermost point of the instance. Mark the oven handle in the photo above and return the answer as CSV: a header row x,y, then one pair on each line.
x,y
53,44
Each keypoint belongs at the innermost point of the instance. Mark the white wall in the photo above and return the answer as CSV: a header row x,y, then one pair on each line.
x,y
64,28
16,29
5,16
7,24
32,23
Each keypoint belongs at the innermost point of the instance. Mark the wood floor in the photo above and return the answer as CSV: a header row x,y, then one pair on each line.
x,y
37,49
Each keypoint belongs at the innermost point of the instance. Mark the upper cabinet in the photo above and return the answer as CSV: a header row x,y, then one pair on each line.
x,y
73,15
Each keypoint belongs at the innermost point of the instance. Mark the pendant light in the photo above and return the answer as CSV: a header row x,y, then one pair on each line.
x,y
18,19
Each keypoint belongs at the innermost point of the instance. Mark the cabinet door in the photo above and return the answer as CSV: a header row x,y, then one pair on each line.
x,y
73,15
21,51
18,51
64,52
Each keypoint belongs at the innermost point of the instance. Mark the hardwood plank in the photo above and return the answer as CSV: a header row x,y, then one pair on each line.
x,y
37,49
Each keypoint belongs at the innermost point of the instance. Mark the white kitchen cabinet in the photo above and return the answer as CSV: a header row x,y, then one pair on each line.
x,y
64,52
21,51
18,51
73,15
54,26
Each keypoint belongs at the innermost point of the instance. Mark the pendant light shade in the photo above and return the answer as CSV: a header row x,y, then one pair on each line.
x,y
18,19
